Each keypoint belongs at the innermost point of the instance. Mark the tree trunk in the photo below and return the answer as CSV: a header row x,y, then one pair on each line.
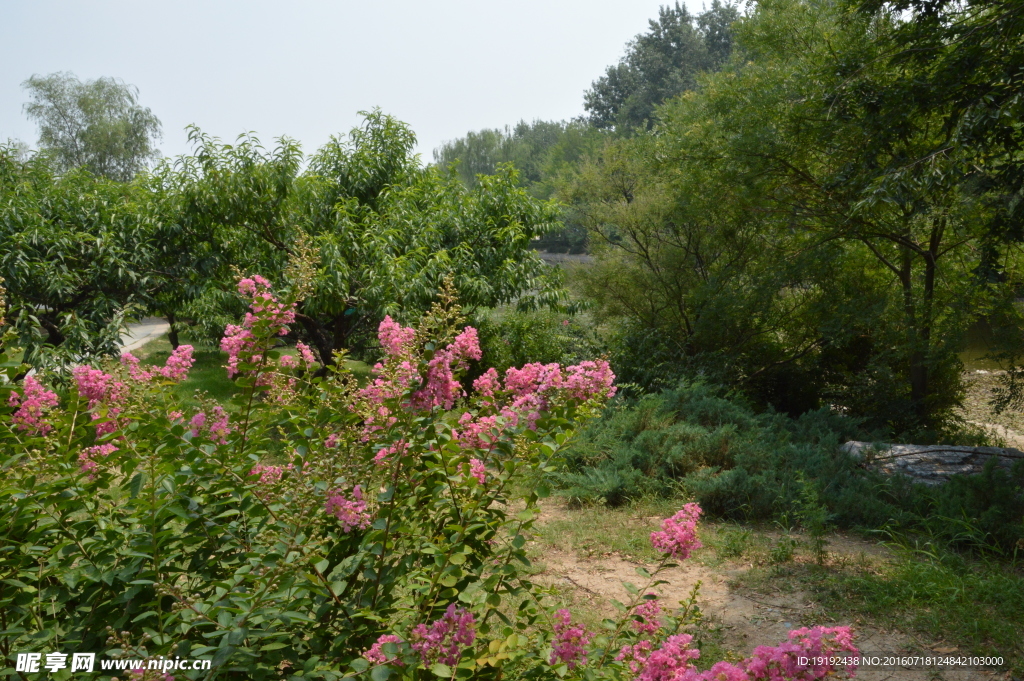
x,y
172,332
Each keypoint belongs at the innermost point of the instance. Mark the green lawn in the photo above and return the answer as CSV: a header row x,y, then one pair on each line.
x,y
208,375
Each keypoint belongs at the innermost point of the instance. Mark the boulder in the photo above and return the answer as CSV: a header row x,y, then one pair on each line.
x,y
930,464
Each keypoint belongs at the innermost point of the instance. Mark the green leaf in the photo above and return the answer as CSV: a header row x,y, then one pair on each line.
x,y
442,670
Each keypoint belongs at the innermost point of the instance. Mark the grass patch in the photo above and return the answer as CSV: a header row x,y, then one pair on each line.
x,y
976,605
209,377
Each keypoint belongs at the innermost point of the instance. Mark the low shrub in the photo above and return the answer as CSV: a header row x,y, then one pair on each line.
x,y
699,441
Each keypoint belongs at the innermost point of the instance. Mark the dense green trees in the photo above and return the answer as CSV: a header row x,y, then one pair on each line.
x,y
75,254
661,64
97,125
384,231
791,227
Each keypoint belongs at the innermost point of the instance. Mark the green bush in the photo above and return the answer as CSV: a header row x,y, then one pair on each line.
x,y
699,441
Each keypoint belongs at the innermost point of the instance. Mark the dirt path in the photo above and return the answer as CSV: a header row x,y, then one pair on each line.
x,y
742,617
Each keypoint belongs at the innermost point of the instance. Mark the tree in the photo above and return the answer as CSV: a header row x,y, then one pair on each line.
x,y
97,125
659,65
789,226
75,257
383,231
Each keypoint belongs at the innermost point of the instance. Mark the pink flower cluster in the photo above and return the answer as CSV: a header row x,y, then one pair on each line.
x,y
478,470
98,387
383,456
441,389
351,513
533,386
444,639
264,305
176,367
671,662
376,653
216,427
805,657
270,474
88,456
304,358
569,645
239,341
477,432
528,391
649,622
396,340
32,405
678,535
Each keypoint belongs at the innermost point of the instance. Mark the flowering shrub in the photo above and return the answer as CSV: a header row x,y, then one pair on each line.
x,y
315,528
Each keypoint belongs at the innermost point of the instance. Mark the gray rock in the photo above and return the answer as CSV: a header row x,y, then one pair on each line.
x,y
930,464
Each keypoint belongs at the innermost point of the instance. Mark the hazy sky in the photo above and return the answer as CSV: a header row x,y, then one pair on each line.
x,y
304,69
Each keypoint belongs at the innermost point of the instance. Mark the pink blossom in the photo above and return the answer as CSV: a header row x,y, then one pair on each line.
x,y
88,456
217,428
648,611
331,441
32,404
444,639
477,470
134,369
570,642
96,386
396,340
465,346
177,365
236,341
383,456
196,423
376,653
350,512
671,661
590,379
270,474
305,353
174,416
635,655
678,535
288,362
239,342
476,433
487,383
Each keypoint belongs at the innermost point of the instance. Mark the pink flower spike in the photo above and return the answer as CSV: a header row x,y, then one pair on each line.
x,y
376,653
678,535
477,470
569,645
351,513
32,405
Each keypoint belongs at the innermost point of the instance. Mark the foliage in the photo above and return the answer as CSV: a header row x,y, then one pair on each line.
x,y
97,125
510,338
661,64
324,530
757,239
378,232
75,252
740,465
542,152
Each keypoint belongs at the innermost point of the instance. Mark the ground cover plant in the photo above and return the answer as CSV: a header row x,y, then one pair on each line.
x,y
324,529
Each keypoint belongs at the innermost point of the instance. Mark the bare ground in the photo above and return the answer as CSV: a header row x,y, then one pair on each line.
x,y
740,616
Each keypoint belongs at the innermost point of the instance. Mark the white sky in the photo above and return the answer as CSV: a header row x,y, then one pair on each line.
x,y
304,69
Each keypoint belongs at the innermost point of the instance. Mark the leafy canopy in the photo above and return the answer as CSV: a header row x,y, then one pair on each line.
x,y
97,125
